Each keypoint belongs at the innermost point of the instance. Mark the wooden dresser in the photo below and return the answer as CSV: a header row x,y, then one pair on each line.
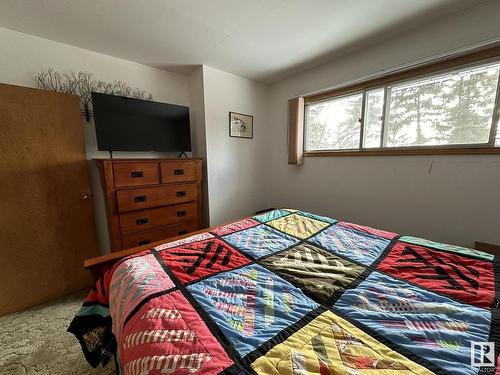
x,y
148,200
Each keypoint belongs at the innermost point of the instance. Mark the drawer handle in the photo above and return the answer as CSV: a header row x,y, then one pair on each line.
x,y
137,174
183,232
140,198
144,242
178,172
181,193
142,221
181,213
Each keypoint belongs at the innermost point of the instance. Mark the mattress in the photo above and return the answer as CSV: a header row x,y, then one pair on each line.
x,y
291,292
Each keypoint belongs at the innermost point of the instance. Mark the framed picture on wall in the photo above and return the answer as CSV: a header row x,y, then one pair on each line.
x,y
240,125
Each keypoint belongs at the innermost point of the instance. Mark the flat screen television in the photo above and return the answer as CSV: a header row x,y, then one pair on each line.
x,y
127,124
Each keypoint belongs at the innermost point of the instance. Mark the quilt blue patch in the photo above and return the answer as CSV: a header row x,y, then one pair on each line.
x,y
271,215
260,241
429,325
361,247
251,305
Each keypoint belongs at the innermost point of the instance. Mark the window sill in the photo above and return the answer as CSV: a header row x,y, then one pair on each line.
x,y
409,151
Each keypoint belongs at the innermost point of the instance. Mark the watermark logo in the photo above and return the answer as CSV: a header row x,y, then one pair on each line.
x,y
482,354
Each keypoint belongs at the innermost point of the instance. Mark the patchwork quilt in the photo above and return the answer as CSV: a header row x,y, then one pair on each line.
x,y
290,292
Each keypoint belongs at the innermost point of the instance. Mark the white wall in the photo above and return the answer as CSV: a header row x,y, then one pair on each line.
x,y
447,198
237,167
22,56
198,132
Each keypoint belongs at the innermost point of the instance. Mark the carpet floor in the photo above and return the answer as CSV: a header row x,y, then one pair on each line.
x,y
35,341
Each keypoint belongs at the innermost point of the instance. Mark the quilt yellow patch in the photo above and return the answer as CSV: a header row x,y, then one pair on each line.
x,y
298,225
331,345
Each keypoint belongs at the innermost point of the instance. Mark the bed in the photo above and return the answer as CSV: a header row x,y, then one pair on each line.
x,y
291,292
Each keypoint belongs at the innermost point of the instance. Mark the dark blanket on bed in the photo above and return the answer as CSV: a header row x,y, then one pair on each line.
x,y
290,292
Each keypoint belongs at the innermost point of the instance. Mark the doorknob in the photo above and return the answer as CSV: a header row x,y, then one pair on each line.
x,y
84,196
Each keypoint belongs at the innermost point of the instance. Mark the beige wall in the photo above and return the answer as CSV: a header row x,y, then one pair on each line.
x,y
447,198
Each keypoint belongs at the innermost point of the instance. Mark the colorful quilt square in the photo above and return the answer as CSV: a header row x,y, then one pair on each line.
x,y
272,215
298,225
133,280
260,241
361,247
317,272
234,227
251,305
370,230
166,336
200,259
467,279
330,345
427,324
446,247
191,239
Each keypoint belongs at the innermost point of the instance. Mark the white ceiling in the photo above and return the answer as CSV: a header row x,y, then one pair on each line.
x,y
265,40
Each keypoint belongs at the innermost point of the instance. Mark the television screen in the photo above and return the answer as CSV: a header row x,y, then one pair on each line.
x,y
127,124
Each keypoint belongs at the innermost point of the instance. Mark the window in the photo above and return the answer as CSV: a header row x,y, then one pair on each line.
x,y
334,124
455,109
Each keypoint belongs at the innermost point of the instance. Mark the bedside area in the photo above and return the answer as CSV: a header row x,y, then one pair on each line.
x,y
148,200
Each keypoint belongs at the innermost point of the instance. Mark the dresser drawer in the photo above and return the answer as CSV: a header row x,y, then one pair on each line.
x,y
180,171
135,174
137,199
138,221
159,234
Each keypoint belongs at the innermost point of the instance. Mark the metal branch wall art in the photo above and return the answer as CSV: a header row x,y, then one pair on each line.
x,y
82,84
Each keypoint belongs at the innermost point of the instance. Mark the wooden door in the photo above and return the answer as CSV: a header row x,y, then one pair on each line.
x,y
46,224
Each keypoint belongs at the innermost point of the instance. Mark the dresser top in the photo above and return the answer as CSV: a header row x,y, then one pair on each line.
x,y
144,160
